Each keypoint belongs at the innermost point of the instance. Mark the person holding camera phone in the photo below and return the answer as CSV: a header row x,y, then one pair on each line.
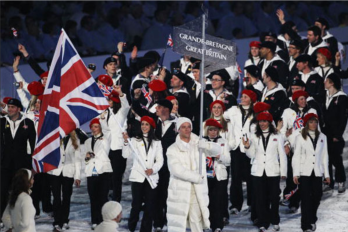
x,y
240,118
98,168
266,148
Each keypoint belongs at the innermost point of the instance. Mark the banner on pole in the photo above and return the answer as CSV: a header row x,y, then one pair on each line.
x,y
219,53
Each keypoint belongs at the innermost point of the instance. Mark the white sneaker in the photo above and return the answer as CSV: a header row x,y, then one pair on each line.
x,y
158,229
217,230
234,211
276,227
57,228
66,226
94,226
262,229
341,187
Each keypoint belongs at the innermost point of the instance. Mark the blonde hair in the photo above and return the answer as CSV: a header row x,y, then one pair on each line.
x,y
32,102
74,140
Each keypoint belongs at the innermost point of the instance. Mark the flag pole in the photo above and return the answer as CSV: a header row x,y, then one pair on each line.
x,y
202,88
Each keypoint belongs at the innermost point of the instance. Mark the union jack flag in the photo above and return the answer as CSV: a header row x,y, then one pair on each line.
x,y
71,98
36,116
14,31
106,90
170,41
292,192
298,123
146,94
210,164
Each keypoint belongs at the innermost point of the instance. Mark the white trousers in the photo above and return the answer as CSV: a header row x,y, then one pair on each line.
x,y
195,214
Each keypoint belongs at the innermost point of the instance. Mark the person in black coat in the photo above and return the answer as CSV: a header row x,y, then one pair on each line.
x,y
219,81
327,37
165,131
180,92
267,53
295,48
314,43
314,82
274,94
16,131
335,119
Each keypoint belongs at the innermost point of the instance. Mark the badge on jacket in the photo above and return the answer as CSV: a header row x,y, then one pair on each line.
x,y
313,81
25,127
275,139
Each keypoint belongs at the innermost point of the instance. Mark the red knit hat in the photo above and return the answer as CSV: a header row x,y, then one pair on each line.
x,y
261,106
157,85
94,121
309,116
106,80
264,116
113,96
217,102
170,98
255,44
213,122
45,74
250,94
325,52
35,88
6,99
149,120
298,94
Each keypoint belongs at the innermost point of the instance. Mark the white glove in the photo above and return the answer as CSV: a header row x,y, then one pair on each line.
x,y
203,144
201,180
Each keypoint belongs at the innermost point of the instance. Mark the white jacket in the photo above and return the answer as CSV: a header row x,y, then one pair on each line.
x,y
114,123
107,226
101,161
306,159
234,114
153,159
221,148
70,161
272,160
21,217
19,78
289,117
183,164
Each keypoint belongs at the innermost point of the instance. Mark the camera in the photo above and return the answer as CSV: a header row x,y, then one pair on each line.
x,y
91,154
92,66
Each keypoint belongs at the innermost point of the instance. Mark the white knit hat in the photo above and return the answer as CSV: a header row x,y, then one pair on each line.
x,y
182,120
111,210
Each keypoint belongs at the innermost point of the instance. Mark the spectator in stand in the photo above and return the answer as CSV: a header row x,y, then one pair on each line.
x,y
265,20
71,30
110,31
34,38
343,19
90,38
225,27
160,28
134,25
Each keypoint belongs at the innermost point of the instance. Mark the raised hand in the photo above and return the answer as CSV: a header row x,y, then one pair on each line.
x,y
15,63
134,53
280,15
22,49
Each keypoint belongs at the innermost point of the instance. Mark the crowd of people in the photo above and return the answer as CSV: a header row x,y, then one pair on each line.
x,y
289,124
96,26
